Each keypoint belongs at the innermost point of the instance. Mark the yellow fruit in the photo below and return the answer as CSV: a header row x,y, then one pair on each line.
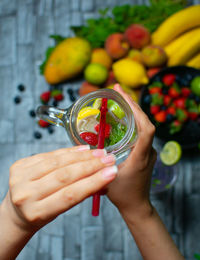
x,y
176,24
96,73
186,52
176,44
130,73
194,62
87,111
128,90
100,56
67,60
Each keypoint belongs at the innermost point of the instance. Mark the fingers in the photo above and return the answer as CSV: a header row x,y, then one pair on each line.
x,y
69,174
53,162
145,128
67,197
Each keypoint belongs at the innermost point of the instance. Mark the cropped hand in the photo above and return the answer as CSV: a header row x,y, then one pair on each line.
x,y
130,190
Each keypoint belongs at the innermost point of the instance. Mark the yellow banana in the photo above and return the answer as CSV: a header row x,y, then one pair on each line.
x,y
186,52
176,44
176,24
194,62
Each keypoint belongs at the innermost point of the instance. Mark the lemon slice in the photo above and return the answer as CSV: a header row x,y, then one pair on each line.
x,y
171,153
86,112
115,109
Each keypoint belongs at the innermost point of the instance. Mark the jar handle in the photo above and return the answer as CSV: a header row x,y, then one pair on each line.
x,y
51,115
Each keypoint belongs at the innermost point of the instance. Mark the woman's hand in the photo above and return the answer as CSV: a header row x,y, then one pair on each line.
x,y
130,190
44,185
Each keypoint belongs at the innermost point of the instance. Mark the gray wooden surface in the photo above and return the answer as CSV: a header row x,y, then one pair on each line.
x,y
24,29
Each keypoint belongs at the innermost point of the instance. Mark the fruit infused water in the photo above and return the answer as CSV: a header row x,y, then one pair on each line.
x,y
88,123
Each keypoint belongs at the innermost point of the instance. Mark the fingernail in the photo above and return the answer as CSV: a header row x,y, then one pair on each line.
x,y
110,172
83,147
108,159
99,153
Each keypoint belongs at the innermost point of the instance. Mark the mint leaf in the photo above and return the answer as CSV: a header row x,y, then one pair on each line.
x,y
117,133
47,55
156,99
57,38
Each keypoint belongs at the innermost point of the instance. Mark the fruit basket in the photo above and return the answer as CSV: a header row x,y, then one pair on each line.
x,y
178,110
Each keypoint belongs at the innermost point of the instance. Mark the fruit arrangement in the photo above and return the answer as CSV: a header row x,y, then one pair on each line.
x,y
172,102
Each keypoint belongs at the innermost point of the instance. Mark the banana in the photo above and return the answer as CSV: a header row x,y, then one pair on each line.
x,y
194,62
176,24
186,52
176,44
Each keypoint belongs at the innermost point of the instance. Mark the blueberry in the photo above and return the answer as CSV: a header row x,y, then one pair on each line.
x,y
169,118
50,130
192,96
37,135
182,81
72,98
55,103
32,113
147,99
17,99
21,87
197,99
70,91
163,107
165,90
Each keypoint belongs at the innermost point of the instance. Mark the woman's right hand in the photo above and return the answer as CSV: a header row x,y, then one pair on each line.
x,y
45,185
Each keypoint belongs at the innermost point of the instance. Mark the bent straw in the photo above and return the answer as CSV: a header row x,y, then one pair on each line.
x,y
101,139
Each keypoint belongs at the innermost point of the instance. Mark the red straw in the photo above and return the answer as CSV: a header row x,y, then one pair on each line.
x,y
101,139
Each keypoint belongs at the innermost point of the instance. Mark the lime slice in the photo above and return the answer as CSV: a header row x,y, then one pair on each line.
x,y
115,109
97,103
171,153
87,111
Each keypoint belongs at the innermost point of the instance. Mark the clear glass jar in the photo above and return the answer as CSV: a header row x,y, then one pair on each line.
x,y
68,119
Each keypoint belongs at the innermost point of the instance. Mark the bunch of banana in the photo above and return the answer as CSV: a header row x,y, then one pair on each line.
x,y
180,37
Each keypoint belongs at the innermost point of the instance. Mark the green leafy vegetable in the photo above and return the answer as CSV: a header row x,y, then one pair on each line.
x,y
97,30
117,133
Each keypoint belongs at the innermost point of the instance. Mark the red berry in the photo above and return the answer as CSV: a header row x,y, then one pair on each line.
x,y
167,100
173,92
193,115
160,116
89,138
154,90
107,129
154,109
180,102
57,94
169,79
185,91
45,96
58,97
43,123
152,71
171,110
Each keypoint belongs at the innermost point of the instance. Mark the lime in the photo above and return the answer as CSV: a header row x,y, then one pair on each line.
x,y
195,86
96,73
87,111
115,109
171,153
97,103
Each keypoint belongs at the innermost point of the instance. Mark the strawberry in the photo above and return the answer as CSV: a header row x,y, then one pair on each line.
x,y
89,138
169,79
43,123
174,91
107,129
152,71
160,116
180,102
154,109
182,115
175,127
57,94
185,91
167,100
171,110
193,115
154,90
45,97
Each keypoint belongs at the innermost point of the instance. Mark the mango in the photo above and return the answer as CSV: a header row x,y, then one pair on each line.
x,y
68,60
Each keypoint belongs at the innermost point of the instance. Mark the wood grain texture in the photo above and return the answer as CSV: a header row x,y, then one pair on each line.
x,y
24,29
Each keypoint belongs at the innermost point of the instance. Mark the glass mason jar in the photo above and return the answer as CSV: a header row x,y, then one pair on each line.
x,y
67,118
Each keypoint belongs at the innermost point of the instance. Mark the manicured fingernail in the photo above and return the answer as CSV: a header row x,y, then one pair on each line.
x,y
108,159
99,152
83,147
110,172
